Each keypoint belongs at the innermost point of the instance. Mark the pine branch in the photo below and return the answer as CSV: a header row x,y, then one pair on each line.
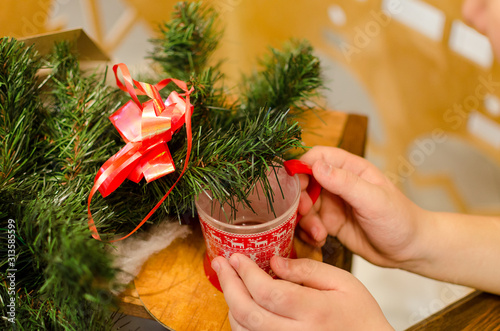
x,y
231,163
20,107
187,40
63,278
289,78
235,144
80,133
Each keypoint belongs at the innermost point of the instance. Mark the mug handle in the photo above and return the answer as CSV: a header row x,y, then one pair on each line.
x,y
293,167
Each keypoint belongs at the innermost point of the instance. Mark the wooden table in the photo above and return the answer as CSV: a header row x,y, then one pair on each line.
x,y
476,311
172,287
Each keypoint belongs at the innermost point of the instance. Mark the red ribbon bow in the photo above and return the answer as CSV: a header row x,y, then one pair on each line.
x,y
146,129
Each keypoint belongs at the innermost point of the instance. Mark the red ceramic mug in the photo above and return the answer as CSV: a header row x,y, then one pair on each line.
x,y
260,233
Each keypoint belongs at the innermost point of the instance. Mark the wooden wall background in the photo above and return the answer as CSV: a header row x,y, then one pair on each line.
x,y
420,87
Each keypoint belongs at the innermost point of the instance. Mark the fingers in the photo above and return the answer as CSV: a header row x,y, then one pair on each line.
x,y
258,302
245,311
356,191
305,203
276,296
339,158
304,181
234,323
231,283
311,273
317,224
353,180
312,230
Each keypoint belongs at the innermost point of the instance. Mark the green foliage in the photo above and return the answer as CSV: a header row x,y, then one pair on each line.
x,y
236,143
50,152
288,78
63,277
187,40
233,161
55,135
79,131
20,108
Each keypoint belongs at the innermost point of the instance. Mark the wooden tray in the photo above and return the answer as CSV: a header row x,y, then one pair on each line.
x,y
173,287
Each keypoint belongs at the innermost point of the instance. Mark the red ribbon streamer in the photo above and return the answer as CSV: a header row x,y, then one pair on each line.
x,y
146,129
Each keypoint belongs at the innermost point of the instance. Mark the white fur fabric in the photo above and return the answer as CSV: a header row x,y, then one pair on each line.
x,y
131,253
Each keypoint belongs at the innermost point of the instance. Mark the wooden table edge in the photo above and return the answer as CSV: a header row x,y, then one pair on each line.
x,y
451,317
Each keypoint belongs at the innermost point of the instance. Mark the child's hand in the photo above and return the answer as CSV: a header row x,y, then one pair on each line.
x,y
361,207
309,296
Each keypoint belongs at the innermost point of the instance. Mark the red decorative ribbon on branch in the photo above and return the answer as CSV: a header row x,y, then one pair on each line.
x,y
146,128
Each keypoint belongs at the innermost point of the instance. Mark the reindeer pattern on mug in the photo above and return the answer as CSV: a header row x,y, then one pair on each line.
x,y
260,247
